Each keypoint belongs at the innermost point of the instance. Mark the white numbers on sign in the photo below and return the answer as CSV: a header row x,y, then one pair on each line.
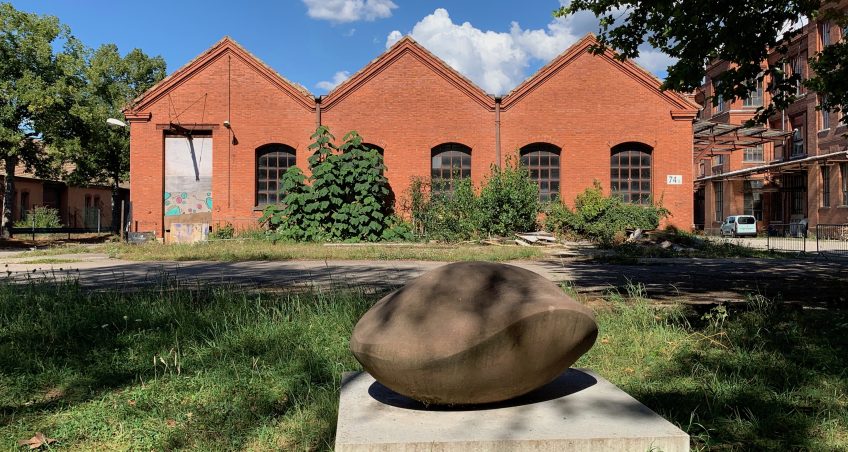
x,y
674,179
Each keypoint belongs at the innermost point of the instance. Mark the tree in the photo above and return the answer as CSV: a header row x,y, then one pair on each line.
x,y
35,82
742,33
99,152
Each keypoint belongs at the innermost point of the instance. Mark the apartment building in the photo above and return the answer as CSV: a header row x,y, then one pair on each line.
x,y
793,170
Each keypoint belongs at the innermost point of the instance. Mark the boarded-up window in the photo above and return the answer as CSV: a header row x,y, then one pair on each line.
x,y
188,174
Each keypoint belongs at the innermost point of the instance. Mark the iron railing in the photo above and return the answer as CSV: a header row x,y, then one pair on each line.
x,y
832,238
787,237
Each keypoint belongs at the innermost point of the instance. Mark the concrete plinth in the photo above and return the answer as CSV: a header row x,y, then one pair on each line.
x,y
578,411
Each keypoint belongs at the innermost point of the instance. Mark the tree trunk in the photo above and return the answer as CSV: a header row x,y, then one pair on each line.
x,y
8,197
116,207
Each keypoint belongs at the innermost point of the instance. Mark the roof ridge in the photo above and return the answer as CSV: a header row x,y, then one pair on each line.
x,y
410,43
585,41
217,46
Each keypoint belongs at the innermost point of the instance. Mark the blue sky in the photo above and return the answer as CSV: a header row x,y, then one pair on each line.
x,y
318,43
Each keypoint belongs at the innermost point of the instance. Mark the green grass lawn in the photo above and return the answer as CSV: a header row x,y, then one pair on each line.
x,y
266,250
248,250
220,369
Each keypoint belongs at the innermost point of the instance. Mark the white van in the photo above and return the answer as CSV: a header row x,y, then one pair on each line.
x,y
737,225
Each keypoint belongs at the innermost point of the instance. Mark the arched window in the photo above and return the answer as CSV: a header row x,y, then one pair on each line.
x,y
272,160
542,160
630,172
451,162
379,151
374,147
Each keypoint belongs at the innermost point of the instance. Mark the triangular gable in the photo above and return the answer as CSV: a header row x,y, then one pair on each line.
x,y
220,48
633,70
404,46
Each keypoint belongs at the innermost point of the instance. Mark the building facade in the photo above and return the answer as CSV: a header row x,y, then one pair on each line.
x,y
800,178
86,207
209,143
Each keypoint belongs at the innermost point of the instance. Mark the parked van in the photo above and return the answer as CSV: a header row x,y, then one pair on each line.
x,y
737,225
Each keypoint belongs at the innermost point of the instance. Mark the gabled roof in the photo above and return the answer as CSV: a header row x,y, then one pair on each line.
x,y
408,46
641,75
225,45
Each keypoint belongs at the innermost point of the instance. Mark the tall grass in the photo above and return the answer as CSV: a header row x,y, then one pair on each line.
x,y
198,368
194,367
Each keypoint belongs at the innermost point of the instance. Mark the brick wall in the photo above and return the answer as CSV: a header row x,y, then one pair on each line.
x,y
406,102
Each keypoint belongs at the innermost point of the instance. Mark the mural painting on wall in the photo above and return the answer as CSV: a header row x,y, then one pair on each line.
x,y
189,232
188,175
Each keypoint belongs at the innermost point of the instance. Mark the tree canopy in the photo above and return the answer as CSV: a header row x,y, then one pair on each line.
x,y
100,152
744,34
55,97
35,82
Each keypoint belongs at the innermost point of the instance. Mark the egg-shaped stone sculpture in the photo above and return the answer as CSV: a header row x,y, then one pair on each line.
x,y
472,332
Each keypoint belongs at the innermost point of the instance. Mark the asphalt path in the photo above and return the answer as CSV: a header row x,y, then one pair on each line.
x,y
811,281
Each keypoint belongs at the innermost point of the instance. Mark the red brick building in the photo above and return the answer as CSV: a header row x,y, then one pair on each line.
x,y
209,142
801,177
86,206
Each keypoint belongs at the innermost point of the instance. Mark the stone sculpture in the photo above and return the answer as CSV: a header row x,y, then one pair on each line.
x,y
472,332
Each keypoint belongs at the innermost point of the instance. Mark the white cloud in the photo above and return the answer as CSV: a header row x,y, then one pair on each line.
x,y
393,37
341,11
498,61
654,61
338,78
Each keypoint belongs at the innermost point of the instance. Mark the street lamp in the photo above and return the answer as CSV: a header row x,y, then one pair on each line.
x,y
116,122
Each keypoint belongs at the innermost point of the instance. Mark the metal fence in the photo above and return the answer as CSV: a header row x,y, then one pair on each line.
x,y
832,239
787,237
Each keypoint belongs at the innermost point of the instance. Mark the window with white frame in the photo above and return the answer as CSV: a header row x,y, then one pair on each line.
x,y
754,154
755,96
719,107
824,31
796,67
824,113
718,163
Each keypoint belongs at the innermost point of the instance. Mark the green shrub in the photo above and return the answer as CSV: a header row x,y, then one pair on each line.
x,y
227,231
40,217
509,200
603,219
398,230
449,216
508,203
346,198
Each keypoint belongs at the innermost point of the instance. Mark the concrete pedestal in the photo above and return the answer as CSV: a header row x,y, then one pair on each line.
x,y
578,411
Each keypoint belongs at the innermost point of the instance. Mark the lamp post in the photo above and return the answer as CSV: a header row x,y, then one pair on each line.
x,y
117,123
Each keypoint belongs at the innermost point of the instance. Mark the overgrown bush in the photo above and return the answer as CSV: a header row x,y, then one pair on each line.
x,y
40,217
509,200
603,219
346,198
508,203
